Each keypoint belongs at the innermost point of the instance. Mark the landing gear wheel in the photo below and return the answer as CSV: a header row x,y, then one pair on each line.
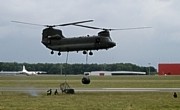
x,y
52,52
84,52
90,53
59,53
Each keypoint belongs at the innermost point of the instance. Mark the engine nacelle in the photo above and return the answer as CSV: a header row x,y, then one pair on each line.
x,y
86,80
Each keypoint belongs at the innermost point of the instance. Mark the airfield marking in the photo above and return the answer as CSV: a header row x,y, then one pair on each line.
x,y
24,89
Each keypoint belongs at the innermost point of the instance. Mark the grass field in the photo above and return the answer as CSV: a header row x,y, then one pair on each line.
x,y
90,101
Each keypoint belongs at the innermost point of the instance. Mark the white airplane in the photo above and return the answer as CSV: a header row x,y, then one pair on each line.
x,y
29,73
24,71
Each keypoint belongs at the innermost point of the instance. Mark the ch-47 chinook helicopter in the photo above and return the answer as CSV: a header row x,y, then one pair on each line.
x,y
54,40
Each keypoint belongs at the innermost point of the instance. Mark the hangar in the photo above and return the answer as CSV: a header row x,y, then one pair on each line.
x,y
112,73
169,69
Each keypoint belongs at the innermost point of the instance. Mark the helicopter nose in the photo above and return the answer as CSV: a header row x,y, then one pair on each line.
x,y
112,44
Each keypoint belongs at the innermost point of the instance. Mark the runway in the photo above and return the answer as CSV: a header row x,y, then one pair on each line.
x,y
29,89
128,90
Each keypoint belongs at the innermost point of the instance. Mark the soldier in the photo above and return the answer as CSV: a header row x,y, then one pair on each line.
x,y
55,92
175,95
49,92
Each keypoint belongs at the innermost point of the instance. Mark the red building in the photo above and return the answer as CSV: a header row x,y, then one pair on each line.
x,y
169,69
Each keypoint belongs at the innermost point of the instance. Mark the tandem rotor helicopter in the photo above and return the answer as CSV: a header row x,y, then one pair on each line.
x,y
54,40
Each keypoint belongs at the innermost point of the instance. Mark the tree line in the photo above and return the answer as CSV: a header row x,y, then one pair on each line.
x,y
74,69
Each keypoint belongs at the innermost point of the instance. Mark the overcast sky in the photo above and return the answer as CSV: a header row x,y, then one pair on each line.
x,y
160,44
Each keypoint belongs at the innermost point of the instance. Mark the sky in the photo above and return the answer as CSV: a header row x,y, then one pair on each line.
x,y
159,44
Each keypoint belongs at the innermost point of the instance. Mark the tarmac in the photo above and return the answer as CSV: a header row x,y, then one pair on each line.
x,y
28,89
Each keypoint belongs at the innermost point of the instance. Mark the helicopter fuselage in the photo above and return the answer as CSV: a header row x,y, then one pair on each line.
x,y
78,43
55,41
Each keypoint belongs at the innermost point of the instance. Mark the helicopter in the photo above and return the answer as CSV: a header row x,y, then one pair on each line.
x,y
54,40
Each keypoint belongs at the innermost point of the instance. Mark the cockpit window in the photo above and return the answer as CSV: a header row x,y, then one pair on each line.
x,y
109,38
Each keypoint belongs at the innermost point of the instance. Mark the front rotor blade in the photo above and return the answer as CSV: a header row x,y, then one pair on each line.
x,y
74,23
129,28
28,23
91,27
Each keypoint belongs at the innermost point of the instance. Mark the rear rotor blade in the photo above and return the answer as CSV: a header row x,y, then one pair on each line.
x,y
28,23
74,23
66,24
